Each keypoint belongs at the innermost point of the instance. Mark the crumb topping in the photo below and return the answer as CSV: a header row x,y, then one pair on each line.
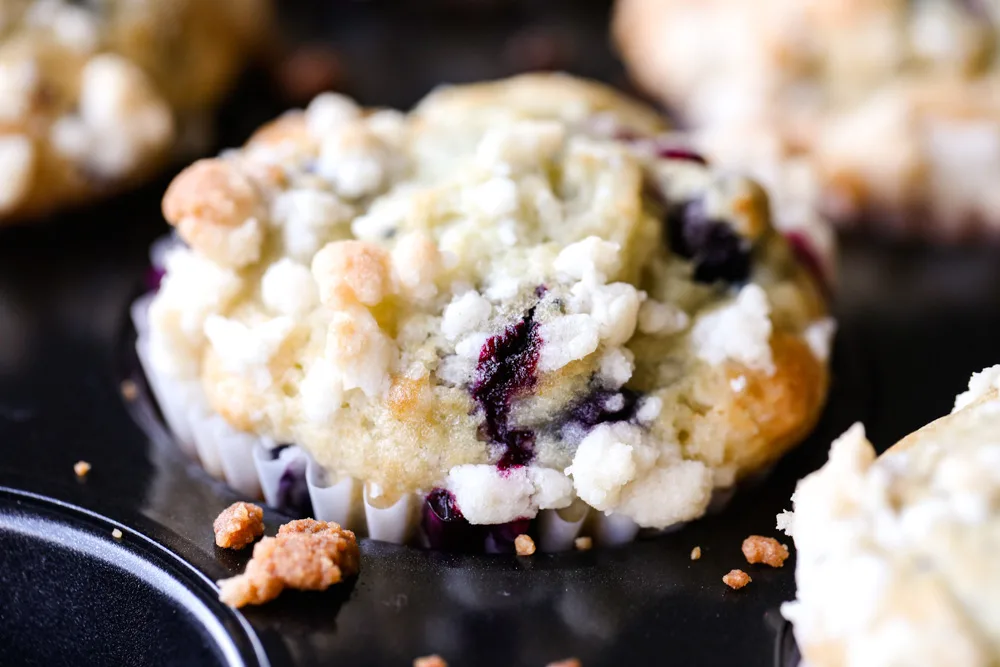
x,y
736,579
767,550
696,553
305,554
238,525
430,661
524,545
583,543
426,301
81,468
117,534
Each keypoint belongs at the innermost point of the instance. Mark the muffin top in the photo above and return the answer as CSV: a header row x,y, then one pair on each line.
x,y
521,291
91,93
897,555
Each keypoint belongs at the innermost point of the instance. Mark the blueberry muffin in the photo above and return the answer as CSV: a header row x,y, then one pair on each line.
x,y
885,110
94,95
518,297
897,554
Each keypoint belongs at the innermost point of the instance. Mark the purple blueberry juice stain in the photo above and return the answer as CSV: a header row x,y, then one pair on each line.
x,y
447,529
153,278
507,369
716,251
600,406
806,254
293,492
677,153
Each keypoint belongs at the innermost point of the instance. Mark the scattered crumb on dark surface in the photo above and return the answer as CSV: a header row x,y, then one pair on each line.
x,y
238,525
524,545
129,390
736,579
583,543
568,662
767,550
696,553
430,661
305,554
117,534
81,468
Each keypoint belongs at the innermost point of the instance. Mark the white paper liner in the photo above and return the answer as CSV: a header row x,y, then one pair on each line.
x,y
558,528
245,462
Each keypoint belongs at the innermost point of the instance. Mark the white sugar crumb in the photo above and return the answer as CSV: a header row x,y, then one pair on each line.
x,y
486,496
615,309
553,489
308,219
739,331
785,521
329,111
288,288
495,199
738,384
604,463
980,384
665,496
17,159
117,534
661,319
592,259
470,346
466,312
321,391
616,367
520,147
247,349
819,337
649,409
566,339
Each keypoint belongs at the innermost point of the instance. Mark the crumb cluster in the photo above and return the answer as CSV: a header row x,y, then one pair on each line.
x,y
767,550
736,579
583,543
524,545
238,525
696,553
430,661
81,468
306,555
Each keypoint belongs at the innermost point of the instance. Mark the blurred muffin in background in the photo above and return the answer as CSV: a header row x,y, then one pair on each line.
x,y
884,110
94,96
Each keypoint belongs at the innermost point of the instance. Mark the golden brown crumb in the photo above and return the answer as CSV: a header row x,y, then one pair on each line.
x,y
81,468
759,549
583,543
306,554
696,553
129,390
430,661
238,525
736,579
524,545
568,662
117,534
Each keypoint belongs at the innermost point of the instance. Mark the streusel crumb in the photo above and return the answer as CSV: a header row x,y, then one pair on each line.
x,y
305,555
569,662
736,579
81,468
524,545
759,549
238,525
696,553
129,390
117,534
583,543
430,661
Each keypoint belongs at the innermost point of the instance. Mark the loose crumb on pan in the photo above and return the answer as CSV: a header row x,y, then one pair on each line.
x,y
696,553
81,468
568,662
117,534
430,661
736,579
524,545
238,525
759,549
305,554
129,390
583,543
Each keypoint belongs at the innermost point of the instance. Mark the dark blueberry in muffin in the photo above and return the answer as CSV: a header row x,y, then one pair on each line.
x,y
716,251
